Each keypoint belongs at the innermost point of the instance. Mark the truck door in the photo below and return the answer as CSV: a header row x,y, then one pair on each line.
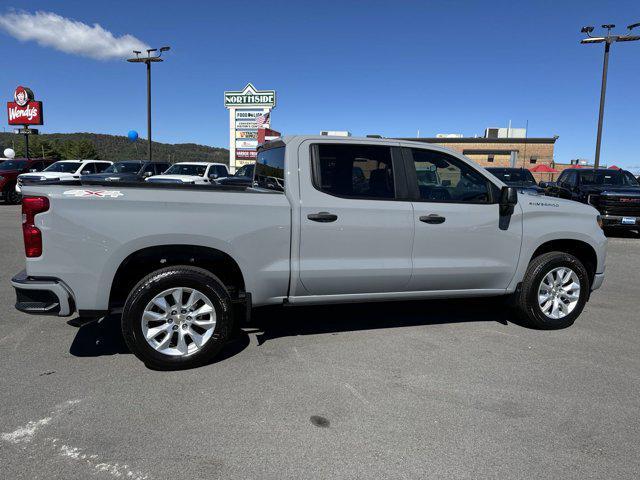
x,y
460,243
355,233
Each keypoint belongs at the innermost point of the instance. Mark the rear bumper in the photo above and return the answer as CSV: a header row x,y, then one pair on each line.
x,y
42,296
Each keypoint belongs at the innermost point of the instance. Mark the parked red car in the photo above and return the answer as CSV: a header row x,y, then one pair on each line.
x,y
9,171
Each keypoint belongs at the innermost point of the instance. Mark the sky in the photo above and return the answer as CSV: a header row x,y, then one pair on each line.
x,y
369,67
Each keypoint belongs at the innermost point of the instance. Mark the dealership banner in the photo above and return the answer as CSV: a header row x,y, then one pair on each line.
x,y
24,110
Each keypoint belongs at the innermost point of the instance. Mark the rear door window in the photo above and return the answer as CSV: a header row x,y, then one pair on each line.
x,y
354,171
269,171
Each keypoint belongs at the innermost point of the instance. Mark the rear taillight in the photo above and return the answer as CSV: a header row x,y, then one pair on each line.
x,y
31,206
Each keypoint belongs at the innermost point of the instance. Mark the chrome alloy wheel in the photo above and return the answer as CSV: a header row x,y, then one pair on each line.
x,y
559,292
178,321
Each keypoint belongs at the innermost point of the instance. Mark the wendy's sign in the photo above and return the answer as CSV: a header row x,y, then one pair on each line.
x,y
24,110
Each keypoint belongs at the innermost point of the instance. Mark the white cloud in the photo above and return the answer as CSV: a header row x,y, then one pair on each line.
x,y
69,36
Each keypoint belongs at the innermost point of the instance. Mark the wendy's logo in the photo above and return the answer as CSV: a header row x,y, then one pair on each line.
x,y
22,96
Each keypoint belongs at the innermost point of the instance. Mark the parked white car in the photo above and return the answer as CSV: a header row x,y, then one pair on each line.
x,y
64,170
191,172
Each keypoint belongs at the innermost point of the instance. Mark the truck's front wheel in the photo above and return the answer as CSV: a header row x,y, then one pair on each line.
x,y
554,291
177,317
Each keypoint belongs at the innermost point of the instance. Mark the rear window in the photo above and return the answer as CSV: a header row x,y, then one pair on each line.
x,y
269,170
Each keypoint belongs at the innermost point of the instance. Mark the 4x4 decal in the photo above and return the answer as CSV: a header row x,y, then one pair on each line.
x,y
94,193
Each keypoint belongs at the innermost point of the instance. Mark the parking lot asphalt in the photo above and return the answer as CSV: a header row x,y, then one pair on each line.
x,y
407,390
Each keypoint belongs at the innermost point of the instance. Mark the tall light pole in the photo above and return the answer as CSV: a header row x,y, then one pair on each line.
x,y
608,40
148,60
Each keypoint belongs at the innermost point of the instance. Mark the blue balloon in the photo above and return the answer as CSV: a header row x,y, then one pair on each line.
x,y
133,135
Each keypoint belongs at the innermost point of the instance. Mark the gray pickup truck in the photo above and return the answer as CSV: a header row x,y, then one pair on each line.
x,y
327,220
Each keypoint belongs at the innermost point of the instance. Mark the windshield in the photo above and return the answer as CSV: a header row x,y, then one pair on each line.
x,y
186,169
124,167
12,165
620,178
63,167
515,176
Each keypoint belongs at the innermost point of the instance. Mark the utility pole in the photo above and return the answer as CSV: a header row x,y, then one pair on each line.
x,y
148,60
608,40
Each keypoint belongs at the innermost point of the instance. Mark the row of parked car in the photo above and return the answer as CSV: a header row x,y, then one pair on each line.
x,y
614,193
14,172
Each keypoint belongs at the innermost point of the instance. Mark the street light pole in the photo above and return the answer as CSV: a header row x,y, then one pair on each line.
x,y
607,40
603,92
148,60
149,107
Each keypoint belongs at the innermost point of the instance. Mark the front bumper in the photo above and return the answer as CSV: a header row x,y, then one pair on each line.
x,y
616,221
598,278
42,296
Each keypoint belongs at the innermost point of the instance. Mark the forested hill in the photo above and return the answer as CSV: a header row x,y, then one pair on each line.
x,y
108,147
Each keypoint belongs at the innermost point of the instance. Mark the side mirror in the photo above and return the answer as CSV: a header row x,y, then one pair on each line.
x,y
147,174
509,196
213,175
508,200
85,172
33,170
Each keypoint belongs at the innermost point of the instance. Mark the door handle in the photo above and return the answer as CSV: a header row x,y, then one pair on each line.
x,y
433,218
322,217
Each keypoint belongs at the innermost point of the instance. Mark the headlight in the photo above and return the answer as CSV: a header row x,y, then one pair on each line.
x,y
599,220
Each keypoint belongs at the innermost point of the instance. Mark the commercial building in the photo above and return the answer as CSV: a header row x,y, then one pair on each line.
x,y
500,147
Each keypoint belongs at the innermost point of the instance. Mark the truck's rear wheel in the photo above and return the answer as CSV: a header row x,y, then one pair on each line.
x,y
177,317
554,291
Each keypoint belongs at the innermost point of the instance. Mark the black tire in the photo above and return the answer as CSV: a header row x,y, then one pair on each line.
x,y
11,197
526,301
164,279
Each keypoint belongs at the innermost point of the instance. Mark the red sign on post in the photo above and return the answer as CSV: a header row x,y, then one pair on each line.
x,y
24,110
246,154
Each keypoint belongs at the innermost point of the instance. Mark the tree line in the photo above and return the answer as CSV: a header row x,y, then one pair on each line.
x,y
65,146
59,150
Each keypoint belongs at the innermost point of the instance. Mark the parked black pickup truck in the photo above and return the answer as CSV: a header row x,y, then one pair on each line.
x,y
517,177
615,193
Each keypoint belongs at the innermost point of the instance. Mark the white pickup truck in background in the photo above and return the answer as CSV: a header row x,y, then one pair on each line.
x,y
64,170
191,173
328,220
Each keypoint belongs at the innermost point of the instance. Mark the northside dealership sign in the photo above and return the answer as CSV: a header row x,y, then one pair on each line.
x,y
24,110
250,97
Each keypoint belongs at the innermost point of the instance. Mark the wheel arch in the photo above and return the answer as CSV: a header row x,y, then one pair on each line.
x,y
149,259
582,250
